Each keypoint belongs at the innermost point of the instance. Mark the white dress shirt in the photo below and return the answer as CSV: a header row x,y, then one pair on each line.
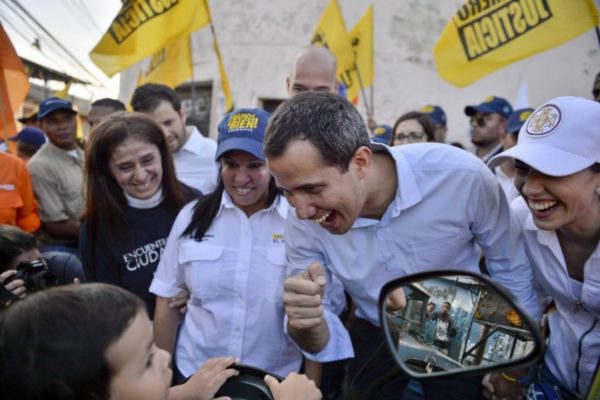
x,y
235,276
447,203
575,322
195,162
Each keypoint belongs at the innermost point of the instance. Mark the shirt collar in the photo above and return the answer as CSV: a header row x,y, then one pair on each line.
x,y
194,142
407,192
280,205
492,153
64,153
547,238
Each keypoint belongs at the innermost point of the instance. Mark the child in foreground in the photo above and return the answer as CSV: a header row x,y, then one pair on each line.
x,y
94,341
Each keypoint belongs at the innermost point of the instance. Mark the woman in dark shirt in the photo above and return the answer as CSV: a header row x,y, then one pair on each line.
x,y
132,199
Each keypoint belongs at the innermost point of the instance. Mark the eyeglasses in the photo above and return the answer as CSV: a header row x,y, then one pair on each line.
x,y
410,137
479,121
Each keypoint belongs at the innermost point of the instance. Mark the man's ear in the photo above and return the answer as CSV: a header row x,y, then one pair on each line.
x,y
362,160
287,85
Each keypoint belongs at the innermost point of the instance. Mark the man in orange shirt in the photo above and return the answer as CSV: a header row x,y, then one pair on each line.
x,y
17,204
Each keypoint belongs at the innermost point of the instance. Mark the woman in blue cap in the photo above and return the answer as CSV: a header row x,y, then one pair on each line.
x,y
227,248
557,173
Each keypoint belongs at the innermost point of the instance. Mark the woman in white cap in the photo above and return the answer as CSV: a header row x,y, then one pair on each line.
x,y
557,162
227,248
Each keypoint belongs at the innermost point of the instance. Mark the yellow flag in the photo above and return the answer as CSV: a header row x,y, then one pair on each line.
x,y
171,65
331,33
65,91
143,27
490,35
361,40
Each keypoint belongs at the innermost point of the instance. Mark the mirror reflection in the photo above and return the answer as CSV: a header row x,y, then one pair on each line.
x,y
453,322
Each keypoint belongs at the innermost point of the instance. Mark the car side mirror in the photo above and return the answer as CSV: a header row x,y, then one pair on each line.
x,y
444,323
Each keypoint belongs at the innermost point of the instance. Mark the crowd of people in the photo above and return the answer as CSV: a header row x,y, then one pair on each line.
x,y
177,255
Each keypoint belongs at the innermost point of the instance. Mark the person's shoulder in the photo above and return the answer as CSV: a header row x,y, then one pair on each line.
x,y
11,162
437,156
520,208
41,159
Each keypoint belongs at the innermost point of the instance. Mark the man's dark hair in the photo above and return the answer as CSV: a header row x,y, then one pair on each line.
x,y
326,120
13,243
149,96
111,103
449,305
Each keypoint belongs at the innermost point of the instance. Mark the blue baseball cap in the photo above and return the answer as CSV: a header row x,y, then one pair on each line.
x,y
517,119
52,104
436,113
243,129
382,134
30,135
491,104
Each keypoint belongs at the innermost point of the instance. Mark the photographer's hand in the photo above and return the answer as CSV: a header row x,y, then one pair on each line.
x,y
17,287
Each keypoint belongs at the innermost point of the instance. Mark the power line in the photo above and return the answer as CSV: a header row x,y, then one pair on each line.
x,y
86,12
73,58
37,34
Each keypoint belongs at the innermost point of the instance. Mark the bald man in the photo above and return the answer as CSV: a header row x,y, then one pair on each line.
x,y
313,70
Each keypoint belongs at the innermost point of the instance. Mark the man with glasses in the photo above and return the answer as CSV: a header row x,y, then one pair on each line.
x,y
57,175
488,123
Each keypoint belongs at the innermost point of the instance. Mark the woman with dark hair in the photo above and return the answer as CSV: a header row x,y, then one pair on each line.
x,y
132,199
413,127
557,174
228,250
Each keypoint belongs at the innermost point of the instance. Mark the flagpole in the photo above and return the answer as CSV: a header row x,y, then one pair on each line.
x,y
193,85
362,91
5,123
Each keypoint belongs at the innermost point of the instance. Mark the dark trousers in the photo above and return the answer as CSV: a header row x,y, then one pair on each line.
x,y
374,374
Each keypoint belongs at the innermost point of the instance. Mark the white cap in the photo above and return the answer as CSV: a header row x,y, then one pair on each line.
x,y
560,138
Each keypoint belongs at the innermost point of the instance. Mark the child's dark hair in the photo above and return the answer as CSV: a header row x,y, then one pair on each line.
x,y
54,342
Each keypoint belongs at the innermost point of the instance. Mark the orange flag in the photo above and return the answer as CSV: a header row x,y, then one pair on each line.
x,y
14,85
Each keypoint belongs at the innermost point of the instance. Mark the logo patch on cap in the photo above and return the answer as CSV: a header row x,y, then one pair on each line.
x,y
544,120
524,115
242,122
426,109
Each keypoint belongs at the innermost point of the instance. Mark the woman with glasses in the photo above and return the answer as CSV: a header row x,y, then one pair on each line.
x,y
413,127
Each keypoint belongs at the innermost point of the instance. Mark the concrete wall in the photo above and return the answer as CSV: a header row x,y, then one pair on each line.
x,y
259,38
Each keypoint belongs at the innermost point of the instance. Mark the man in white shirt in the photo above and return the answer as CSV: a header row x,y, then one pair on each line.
x,y
367,213
193,154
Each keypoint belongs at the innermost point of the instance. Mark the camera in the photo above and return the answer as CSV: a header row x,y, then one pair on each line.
x,y
35,275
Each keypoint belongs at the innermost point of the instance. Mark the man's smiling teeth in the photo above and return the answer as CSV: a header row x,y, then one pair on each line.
x,y
542,205
322,218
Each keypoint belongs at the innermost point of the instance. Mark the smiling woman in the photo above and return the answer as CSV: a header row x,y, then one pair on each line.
x,y
132,200
227,249
557,173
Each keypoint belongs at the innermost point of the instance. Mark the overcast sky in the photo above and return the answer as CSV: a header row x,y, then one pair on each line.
x,y
77,24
